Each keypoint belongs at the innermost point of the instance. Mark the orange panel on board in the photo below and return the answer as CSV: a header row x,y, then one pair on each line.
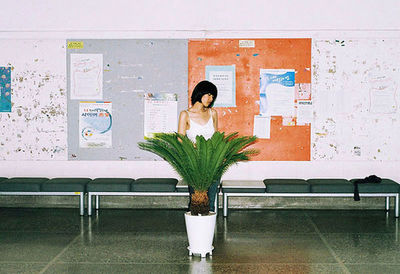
x,y
286,143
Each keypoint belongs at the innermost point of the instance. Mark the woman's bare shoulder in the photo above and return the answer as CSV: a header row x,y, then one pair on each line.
x,y
184,113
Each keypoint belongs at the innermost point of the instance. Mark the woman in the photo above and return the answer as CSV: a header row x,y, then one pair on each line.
x,y
201,119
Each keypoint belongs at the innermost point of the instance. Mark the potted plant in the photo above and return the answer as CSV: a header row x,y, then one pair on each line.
x,y
200,164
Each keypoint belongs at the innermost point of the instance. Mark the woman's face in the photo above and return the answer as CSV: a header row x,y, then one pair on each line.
x,y
207,99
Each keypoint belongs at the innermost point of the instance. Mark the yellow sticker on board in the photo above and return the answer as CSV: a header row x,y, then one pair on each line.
x,y
75,45
78,193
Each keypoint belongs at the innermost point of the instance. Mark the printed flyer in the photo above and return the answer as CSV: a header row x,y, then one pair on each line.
x,y
277,92
160,113
95,124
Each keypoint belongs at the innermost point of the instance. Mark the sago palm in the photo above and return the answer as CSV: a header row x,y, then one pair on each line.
x,y
201,163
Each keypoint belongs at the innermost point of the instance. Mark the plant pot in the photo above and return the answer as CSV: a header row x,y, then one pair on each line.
x,y
200,231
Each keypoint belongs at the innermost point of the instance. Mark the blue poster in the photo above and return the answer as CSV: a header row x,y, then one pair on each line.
x,y
5,89
277,92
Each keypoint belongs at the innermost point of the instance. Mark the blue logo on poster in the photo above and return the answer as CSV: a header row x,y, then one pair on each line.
x,y
99,121
286,79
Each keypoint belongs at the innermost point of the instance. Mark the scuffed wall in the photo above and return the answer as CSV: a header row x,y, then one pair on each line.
x,y
356,99
36,128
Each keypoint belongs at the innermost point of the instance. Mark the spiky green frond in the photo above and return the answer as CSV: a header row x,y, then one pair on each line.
x,y
201,163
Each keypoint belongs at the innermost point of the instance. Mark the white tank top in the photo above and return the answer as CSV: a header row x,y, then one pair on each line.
x,y
206,130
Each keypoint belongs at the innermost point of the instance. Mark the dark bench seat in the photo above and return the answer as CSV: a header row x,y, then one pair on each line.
x,y
110,185
66,185
130,187
386,186
330,186
22,184
154,185
41,186
286,186
317,187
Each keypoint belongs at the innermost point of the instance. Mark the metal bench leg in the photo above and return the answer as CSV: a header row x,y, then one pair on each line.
x,y
89,208
81,204
97,202
216,203
225,205
387,207
396,206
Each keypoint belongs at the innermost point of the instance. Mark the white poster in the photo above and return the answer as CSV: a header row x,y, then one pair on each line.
x,y
277,92
86,76
224,78
262,127
160,113
95,124
382,93
304,112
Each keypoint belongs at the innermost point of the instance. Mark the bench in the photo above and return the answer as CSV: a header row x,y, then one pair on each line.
x,y
172,187
130,187
319,187
139,187
34,186
41,186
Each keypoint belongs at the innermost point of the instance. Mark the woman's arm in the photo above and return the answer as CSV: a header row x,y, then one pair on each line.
x,y
182,124
215,119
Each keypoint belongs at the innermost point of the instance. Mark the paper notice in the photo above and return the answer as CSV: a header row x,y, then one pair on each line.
x,y
304,112
160,113
247,43
86,76
224,78
75,45
262,127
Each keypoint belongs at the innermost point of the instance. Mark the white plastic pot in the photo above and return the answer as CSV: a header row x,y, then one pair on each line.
x,y
200,231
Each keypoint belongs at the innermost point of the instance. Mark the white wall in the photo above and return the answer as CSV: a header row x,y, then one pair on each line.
x,y
193,18
183,15
45,19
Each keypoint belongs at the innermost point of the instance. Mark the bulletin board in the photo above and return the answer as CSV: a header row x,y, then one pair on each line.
x,y
288,141
131,69
355,95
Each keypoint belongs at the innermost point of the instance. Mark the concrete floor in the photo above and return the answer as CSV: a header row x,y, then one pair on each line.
x,y
154,241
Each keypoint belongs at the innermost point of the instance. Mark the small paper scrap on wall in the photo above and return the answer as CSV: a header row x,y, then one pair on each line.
x,y
75,45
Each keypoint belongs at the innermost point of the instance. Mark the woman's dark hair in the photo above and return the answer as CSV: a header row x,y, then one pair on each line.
x,y
202,88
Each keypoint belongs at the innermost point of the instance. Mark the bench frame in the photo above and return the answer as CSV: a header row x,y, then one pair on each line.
x,y
47,193
110,193
226,196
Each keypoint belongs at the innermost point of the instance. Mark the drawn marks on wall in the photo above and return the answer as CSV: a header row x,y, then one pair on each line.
x,y
356,99
36,127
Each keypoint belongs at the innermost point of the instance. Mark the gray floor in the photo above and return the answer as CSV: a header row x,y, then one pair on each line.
x,y
154,241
